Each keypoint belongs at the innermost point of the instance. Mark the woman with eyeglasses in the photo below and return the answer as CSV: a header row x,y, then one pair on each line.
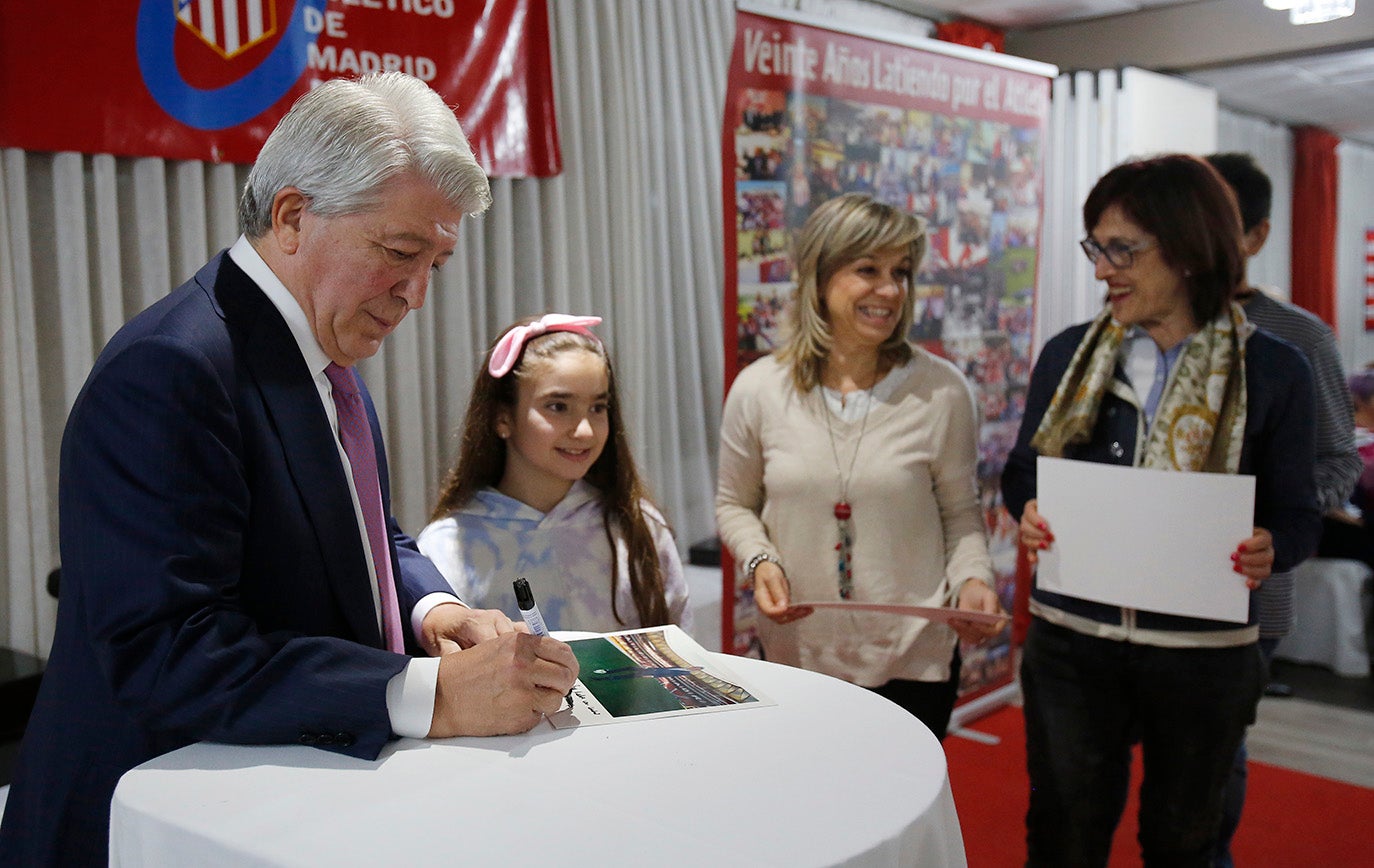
x,y
1169,376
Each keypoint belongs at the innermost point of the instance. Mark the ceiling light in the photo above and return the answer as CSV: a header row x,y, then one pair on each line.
x,y
1280,5
1317,11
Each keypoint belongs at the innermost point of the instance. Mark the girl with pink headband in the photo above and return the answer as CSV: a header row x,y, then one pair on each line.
x,y
545,488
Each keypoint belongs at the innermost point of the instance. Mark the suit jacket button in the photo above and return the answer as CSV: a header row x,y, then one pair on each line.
x,y
324,739
308,739
1116,449
344,739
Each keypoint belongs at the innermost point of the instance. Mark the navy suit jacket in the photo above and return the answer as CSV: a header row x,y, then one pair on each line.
x,y
214,585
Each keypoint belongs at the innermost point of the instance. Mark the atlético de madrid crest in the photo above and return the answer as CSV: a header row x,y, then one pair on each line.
x,y
214,64
230,27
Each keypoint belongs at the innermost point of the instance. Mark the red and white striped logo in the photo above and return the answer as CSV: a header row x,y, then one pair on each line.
x,y
228,26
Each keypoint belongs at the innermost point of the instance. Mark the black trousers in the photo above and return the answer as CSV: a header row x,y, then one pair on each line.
x,y
931,702
1087,699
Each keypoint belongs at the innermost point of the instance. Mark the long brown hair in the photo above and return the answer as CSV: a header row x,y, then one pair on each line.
x,y
482,462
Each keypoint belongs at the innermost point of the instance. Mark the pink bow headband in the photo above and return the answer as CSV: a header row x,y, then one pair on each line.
x,y
507,350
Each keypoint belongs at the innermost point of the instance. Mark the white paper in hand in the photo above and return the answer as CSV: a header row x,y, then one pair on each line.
x,y
1146,539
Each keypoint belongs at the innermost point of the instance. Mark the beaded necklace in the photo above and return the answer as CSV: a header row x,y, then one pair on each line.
x,y
843,511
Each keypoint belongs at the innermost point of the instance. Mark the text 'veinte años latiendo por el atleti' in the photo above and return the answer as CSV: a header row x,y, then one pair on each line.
x,y
830,62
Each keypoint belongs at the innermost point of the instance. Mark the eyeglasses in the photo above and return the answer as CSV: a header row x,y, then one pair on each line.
x,y
1118,253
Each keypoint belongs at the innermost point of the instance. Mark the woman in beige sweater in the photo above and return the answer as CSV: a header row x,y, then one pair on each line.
x,y
847,471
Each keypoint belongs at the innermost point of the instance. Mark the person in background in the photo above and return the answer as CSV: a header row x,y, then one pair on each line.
x,y
229,570
1169,376
1338,464
1347,532
1362,500
545,488
1361,386
847,471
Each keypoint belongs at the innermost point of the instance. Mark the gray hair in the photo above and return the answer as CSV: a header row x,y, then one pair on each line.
x,y
344,140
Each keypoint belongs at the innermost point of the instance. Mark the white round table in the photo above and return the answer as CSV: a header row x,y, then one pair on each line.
x,y
832,774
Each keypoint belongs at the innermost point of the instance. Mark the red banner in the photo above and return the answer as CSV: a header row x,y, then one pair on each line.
x,y
1369,280
209,79
811,113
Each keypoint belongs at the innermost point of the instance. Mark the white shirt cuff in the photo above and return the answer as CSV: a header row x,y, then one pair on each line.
x,y
427,602
410,692
410,697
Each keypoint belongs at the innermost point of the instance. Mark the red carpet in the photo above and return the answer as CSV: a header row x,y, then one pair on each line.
x,y
1291,819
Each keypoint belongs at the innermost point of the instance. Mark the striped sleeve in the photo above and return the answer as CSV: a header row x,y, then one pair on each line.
x,y
1338,463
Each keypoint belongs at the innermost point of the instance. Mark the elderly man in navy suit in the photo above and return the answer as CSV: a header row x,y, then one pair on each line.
x,y
230,570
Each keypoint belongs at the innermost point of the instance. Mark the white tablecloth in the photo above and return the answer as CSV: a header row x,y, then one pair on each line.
x,y
1330,601
830,775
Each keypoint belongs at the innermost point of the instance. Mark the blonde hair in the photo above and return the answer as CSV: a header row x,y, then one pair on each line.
x,y
837,233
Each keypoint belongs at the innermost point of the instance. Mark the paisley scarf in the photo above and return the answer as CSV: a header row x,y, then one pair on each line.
x,y
1200,423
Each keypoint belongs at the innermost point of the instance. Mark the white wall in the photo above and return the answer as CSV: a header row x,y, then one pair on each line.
x,y
1163,114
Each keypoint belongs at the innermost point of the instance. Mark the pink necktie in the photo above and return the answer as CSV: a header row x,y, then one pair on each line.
x,y
355,433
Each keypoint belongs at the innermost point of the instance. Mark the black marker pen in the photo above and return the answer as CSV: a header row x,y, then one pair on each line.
x,y
529,610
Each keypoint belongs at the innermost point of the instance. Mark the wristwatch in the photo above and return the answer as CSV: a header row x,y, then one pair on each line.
x,y
753,564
